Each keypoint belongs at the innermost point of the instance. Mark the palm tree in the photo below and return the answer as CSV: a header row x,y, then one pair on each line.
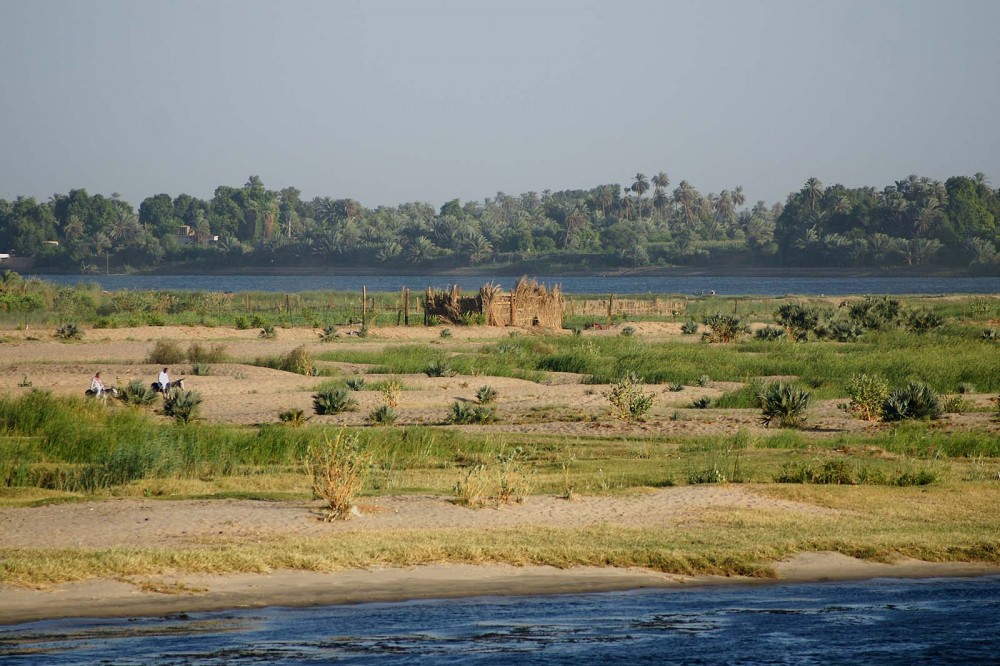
x,y
689,200
640,187
738,197
814,189
576,220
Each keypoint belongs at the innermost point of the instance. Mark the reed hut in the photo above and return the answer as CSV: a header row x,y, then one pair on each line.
x,y
528,304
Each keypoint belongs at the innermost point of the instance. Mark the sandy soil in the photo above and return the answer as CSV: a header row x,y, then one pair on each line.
x,y
246,394
194,524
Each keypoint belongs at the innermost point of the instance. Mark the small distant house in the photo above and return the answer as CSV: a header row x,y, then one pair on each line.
x,y
185,235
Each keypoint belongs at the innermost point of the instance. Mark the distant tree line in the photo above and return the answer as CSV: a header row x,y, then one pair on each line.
x,y
913,222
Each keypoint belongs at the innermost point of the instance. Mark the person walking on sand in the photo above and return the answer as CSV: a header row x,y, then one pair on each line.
x,y
97,386
163,379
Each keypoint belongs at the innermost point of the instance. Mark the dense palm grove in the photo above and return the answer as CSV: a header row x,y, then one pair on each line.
x,y
913,222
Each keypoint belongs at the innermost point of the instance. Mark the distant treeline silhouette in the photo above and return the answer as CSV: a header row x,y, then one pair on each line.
x,y
917,221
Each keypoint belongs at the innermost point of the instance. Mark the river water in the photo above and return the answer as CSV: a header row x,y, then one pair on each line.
x,y
882,621
691,285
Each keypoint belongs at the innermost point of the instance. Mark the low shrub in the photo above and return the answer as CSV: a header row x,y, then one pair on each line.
x,y
182,405
355,383
333,401
867,393
965,388
784,403
724,328
798,320
338,469
294,417
445,332
769,334
439,368
704,381
628,400
166,352
328,334
463,413
268,332
201,369
383,415
69,331
921,321
137,392
704,402
627,331
675,387
689,327
916,400
486,395
198,353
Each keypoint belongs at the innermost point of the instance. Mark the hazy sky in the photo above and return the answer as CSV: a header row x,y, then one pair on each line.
x,y
391,102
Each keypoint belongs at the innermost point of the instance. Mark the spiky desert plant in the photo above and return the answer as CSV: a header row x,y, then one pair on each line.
x,y
769,333
464,413
383,415
268,332
439,368
294,417
486,394
797,319
784,403
182,405
328,334
137,392
921,321
724,328
867,393
689,327
333,401
69,331
355,383
916,400
338,468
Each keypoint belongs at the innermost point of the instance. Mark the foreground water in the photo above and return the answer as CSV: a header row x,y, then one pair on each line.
x,y
693,285
880,621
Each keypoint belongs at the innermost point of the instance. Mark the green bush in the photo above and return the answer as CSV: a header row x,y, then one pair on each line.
x,y
689,327
137,392
165,352
198,353
769,334
69,331
465,413
916,400
486,394
201,369
724,328
921,321
839,331
798,320
328,334
876,313
294,417
383,415
445,332
867,393
333,401
268,332
439,368
704,402
965,388
182,405
628,400
784,403
627,331
355,383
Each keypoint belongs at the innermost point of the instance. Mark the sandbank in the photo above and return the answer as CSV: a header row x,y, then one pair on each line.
x,y
110,598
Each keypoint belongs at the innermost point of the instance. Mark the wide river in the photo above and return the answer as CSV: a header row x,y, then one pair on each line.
x,y
692,285
929,621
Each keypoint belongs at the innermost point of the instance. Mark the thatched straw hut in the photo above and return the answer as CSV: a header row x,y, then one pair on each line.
x,y
529,304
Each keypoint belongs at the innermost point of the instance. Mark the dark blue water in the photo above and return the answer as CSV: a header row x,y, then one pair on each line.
x,y
932,621
695,285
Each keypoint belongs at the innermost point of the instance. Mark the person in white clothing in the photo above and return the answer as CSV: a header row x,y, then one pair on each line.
x,y
163,379
97,386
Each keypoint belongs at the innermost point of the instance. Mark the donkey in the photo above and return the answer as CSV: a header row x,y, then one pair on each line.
x,y
102,395
176,384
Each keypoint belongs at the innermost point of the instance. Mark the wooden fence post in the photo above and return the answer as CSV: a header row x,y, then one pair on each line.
x,y
427,302
406,306
364,306
611,302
